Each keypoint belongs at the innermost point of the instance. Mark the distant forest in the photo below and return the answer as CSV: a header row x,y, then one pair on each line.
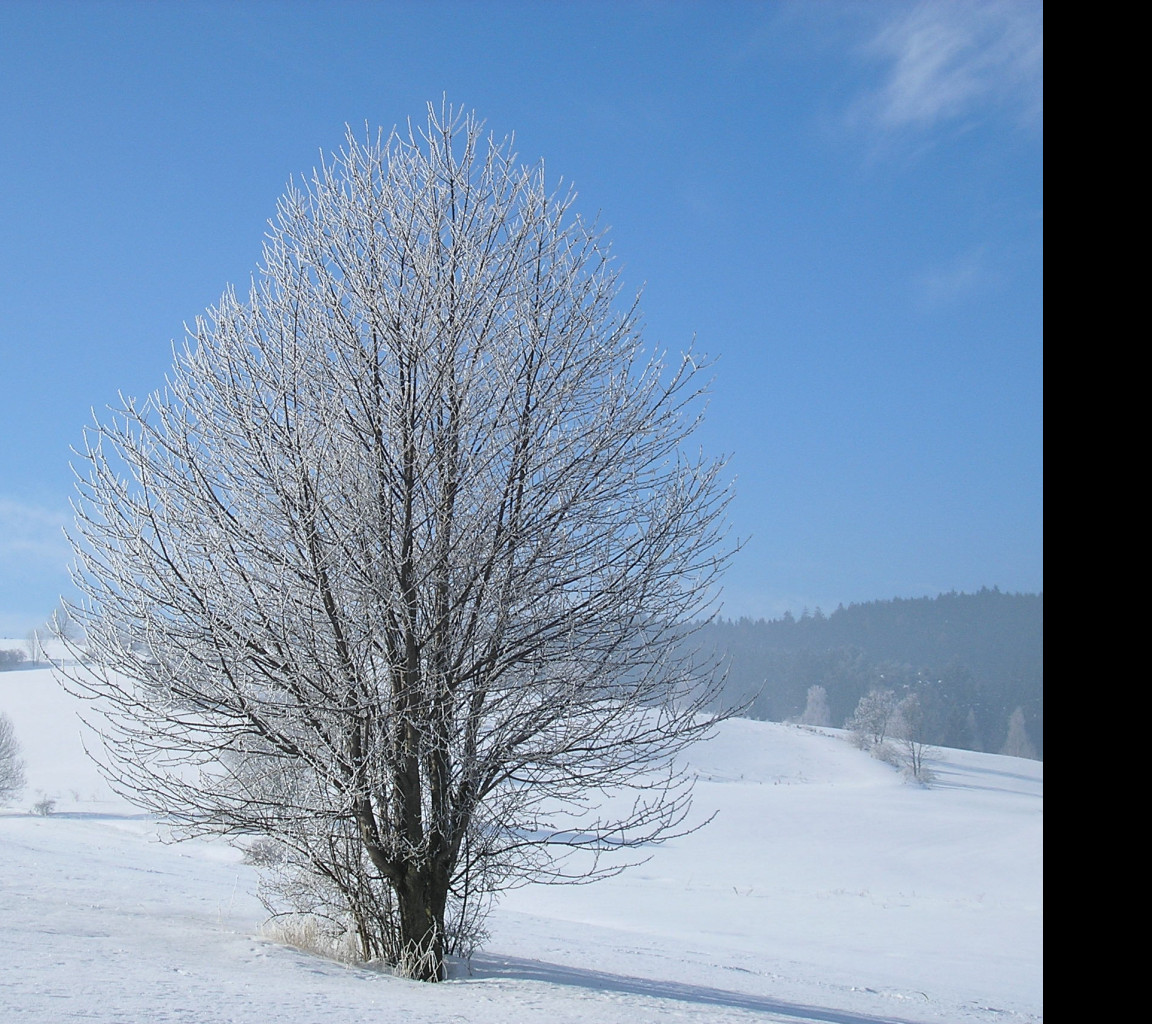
x,y
974,659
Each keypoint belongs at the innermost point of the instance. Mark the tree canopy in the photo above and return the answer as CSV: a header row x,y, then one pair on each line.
x,y
399,569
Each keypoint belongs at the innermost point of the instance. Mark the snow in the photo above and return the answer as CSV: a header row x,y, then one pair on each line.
x,y
825,889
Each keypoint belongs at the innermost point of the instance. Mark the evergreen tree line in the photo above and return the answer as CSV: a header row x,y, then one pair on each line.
x,y
976,662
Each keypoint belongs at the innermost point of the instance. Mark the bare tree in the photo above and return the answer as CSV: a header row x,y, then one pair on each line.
x,y
11,766
912,729
61,623
399,568
33,644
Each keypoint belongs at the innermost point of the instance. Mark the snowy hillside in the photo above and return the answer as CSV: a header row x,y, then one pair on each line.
x,y
826,889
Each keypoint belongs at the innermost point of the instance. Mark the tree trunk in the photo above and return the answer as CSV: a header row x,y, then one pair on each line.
x,y
422,899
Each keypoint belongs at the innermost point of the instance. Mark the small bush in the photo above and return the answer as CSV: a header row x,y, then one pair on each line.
x,y
44,807
11,659
918,772
887,753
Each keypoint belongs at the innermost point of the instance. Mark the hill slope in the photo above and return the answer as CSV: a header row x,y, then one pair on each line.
x,y
826,889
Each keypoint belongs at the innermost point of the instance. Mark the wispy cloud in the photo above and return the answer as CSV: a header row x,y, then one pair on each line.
x,y
966,274
948,60
29,533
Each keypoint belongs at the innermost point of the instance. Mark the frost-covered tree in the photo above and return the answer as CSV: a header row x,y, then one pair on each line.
x,y
399,569
816,707
11,766
873,717
1018,743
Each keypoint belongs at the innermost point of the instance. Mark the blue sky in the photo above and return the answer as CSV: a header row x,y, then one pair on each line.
x,y
842,202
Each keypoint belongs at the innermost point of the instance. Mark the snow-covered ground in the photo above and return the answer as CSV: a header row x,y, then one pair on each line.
x,y
826,889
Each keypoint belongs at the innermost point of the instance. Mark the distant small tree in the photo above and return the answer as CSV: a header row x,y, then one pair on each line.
x,y
912,730
61,623
1018,744
872,718
816,710
33,646
11,767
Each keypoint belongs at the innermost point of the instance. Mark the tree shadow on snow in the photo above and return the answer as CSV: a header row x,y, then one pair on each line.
x,y
86,815
521,969
989,780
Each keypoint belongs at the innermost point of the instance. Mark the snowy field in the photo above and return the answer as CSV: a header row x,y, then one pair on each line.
x,y
826,890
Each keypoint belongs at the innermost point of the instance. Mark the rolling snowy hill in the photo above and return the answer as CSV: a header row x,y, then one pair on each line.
x,y
825,889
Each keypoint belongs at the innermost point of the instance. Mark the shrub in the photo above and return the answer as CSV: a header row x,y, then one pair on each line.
x,y
11,659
